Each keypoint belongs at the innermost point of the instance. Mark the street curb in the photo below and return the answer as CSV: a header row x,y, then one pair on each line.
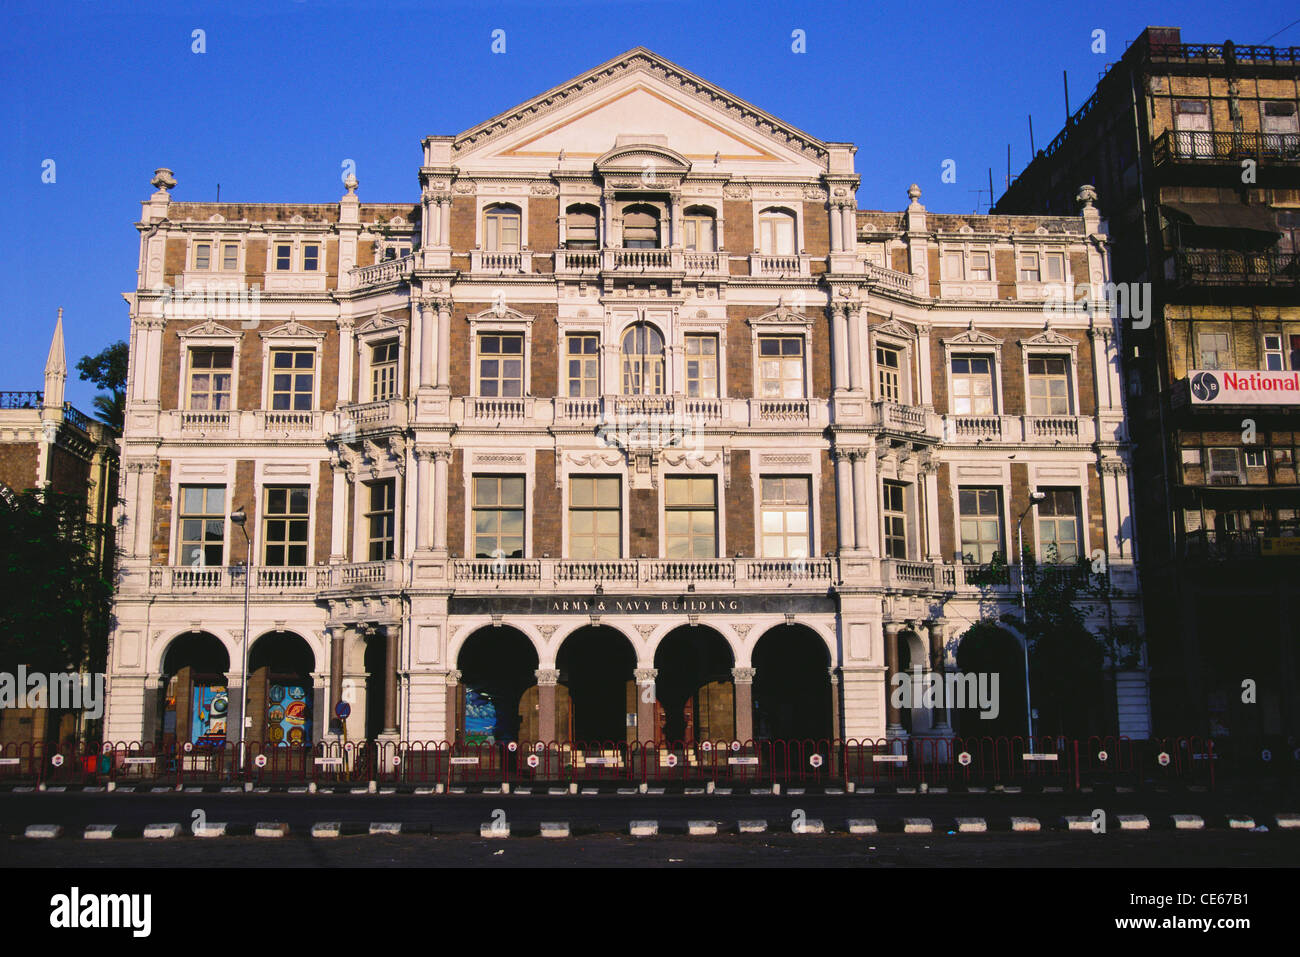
x,y
385,827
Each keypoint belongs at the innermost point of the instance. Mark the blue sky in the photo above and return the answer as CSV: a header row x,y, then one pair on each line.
x,y
289,89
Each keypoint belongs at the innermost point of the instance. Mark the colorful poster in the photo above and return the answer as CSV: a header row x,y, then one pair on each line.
x,y
209,725
480,717
288,715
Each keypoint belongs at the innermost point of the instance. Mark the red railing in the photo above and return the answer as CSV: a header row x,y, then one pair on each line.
x,y
934,761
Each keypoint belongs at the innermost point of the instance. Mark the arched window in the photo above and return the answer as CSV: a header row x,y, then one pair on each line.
x,y
643,361
699,229
640,227
581,227
776,232
501,228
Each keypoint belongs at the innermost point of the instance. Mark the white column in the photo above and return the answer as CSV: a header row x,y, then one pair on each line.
x,y
422,495
854,317
347,353
861,535
444,231
924,393
440,462
339,517
427,340
153,360
850,215
444,344
844,499
840,346
837,227
144,509
930,478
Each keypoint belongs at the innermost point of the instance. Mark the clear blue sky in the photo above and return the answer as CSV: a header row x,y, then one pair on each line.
x,y
288,89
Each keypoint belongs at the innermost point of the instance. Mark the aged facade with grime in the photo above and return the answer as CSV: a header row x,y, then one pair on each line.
x,y
631,426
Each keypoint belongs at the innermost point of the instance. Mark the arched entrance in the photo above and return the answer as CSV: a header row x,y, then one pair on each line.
x,y
986,650
597,666
792,685
280,690
497,695
694,688
193,703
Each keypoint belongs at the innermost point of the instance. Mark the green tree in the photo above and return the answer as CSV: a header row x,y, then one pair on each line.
x,y
107,370
56,610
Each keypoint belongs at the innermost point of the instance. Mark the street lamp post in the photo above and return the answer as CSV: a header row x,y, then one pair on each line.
x,y
239,519
1034,498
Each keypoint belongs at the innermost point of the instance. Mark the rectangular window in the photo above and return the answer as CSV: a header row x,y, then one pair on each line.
x,y
690,518
284,257
972,385
702,367
1055,263
500,365
1295,352
1273,352
502,230
893,514
498,516
1255,458
202,256
888,377
979,266
697,233
1213,347
1029,267
310,258
780,360
381,520
1225,467
981,524
583,353
293,375
1058,526
230,257
595,518
383,371
284,527
785,517
1191,457
203,525
953,267
210,375
1049,385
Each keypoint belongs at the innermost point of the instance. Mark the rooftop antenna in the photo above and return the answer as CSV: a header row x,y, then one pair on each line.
x,y
1032,151
1065,80
218,192
1008,166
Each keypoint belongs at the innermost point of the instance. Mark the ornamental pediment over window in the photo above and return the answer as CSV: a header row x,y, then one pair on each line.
x,y
973,337
781,316
1052,338
381,323
209,330
293,329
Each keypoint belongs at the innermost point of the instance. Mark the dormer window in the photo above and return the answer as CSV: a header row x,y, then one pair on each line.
x,y
641,227
698,230
501,228
581,229
776,232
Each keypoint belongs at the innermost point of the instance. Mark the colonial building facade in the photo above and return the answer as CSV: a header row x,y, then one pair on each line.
x,y
1194,149
634,426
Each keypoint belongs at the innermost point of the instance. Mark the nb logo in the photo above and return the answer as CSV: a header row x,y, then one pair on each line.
x,y
1205,386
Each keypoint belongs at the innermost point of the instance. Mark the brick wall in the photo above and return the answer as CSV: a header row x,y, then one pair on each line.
x,y
243,495
739,357
548,529
463,211
830,539
643,522
68,473
543,223
738,227
462,354
545,354
324,512
18,464
456,503
1096,515
174,259
947,534
162,513
740,507
816,229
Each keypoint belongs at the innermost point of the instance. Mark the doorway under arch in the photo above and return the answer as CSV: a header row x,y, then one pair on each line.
x,y
497,695
694,687
792,685
193,703
281,692
597,665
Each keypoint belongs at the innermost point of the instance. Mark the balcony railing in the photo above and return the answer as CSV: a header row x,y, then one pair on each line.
x,y
890,278
288,420
497,409
486,260
188,580
783,410
21,400
776,267
205,421
1221,267
973,429
371,416
654,574
1213,545
1205,146
386,271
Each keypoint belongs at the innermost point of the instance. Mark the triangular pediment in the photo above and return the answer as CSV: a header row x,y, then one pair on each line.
x,y
640,93
379,323
293,329
1050,337
973,337
210,329
893,327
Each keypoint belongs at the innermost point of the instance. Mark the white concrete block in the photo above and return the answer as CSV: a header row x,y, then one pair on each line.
x,y
972,825
808,826
271,829
701,828
327,829
210,830
1133,822
385,827
643,828
862,825
918,825
555,829
99,832
1027,824
1188,822
494,829
752,827
162,831
44,831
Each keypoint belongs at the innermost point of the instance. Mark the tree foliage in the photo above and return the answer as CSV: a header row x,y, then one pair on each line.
x,y
108,370
56,610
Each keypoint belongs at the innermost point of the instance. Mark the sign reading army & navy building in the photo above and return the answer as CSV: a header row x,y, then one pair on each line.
x,y
640,605
1244,387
